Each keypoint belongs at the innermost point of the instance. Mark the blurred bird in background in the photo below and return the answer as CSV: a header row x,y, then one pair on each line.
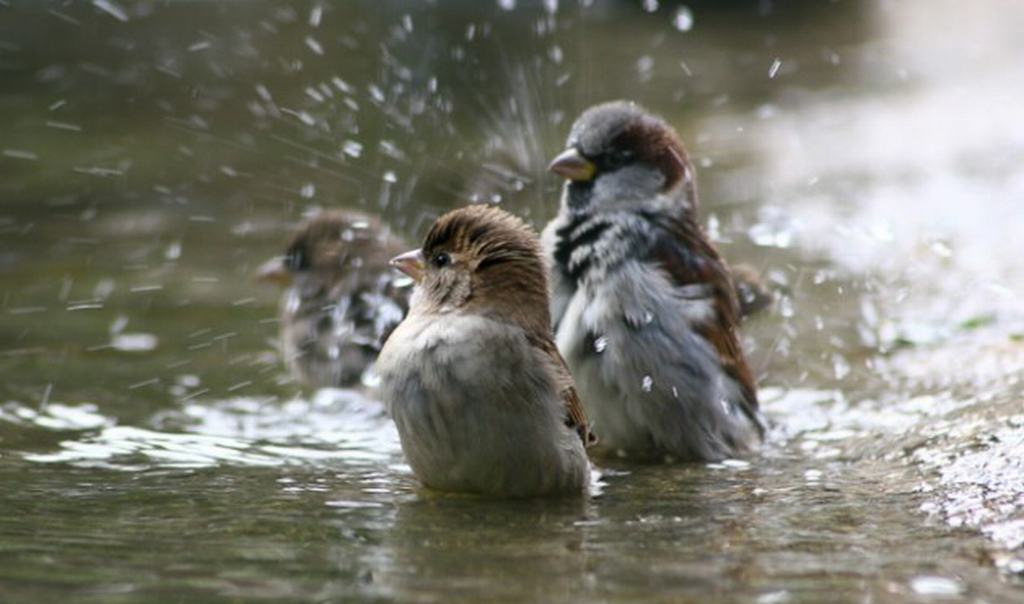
x,y
341,299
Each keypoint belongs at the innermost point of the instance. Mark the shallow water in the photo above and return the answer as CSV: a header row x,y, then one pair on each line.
x,y
864,156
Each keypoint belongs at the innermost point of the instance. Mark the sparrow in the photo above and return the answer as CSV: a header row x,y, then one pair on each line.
x,y
482,400
644,309
341,298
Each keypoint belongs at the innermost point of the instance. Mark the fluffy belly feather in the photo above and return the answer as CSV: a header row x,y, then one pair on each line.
x,y
649,391
465,427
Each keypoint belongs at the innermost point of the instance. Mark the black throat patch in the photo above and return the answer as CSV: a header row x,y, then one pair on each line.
x,y
579,195
578,232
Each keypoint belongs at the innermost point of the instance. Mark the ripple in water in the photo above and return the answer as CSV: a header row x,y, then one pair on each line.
x,y
334,426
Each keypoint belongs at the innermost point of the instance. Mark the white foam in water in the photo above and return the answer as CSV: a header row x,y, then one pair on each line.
x,y
55,416
936,586
335,426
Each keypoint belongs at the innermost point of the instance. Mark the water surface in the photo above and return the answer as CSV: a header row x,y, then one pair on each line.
x,y
864,156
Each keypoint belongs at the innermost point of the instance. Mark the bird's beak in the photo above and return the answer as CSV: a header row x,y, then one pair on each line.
x,y
572,166
410,263
274,271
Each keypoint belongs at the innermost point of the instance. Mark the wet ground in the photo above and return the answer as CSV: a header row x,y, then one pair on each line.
x,y
865,156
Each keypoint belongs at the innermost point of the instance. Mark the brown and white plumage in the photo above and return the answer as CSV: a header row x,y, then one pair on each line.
x,y
341,298
481,397
645,310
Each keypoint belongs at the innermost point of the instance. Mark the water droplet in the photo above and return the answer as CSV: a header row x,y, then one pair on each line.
x,y
727,407
352,148
263,93
648,383
644,65
302,116
314,94
118,325
111,9
600,344
683,19
555,54
341,85
20,154
314,45
63,126
774,69
134,342
376,93
714,229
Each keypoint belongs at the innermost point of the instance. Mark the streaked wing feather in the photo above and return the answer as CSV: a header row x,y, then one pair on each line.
x,y
687,257
575,416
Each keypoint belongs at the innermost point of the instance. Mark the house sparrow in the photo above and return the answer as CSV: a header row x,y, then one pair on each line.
x,y
645,311
341,298
482,400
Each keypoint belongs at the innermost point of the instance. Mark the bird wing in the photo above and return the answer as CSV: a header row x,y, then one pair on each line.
x,y
575,417
686,256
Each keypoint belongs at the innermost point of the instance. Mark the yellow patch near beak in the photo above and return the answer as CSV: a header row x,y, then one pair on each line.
x,y
274,271
410,263
572,166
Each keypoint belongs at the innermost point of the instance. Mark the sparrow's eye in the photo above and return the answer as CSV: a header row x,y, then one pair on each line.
x,y
441,260
618,158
